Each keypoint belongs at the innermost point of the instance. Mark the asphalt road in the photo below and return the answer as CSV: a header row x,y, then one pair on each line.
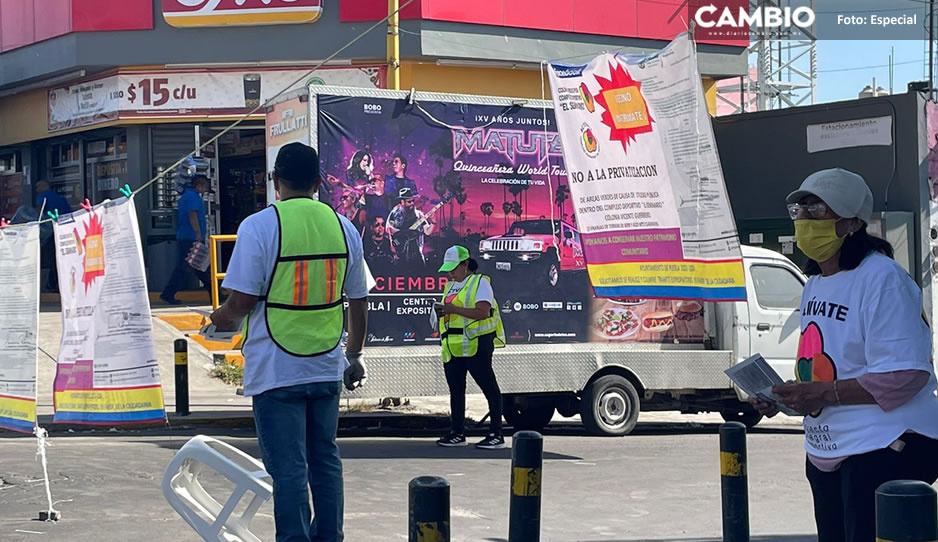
x,y
661,483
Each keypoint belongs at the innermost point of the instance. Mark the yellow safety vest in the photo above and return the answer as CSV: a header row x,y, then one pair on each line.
x,y
304,307
460,335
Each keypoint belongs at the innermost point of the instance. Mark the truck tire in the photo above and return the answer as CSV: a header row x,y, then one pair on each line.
x,y
533,416
744,413
610,406
551,269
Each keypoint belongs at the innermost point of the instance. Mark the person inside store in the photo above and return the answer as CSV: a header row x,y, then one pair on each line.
x,y
470,330
291,265
190,229
865,380
48,200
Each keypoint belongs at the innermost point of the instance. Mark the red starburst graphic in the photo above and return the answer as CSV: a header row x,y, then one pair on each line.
x,y
91,247
626,111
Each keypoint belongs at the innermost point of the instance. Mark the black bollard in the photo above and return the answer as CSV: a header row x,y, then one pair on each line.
x,y
181,347
906,511
527,450
734,482
428,509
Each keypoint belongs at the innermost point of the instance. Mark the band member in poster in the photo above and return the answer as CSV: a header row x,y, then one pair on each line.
x,y
470,331
377,245
360,167
376,198
350,208
400,179
407,240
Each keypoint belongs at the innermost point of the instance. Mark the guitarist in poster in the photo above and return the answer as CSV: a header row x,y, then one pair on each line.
x,y
407,226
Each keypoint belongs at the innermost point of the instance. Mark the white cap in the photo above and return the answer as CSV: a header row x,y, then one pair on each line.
x,y
844,192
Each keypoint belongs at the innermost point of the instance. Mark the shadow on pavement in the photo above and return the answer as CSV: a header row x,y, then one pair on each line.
x,y
779,538
380,449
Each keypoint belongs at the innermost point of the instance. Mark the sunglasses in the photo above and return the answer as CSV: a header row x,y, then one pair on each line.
x,y
814,210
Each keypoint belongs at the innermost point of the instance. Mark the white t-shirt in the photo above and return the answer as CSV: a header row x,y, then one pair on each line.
x,y
484,293
266,366
867,320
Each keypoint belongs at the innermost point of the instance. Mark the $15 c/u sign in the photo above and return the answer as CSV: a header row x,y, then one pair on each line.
x,y
192,13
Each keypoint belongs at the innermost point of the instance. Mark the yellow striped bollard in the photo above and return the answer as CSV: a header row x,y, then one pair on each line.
x,y
734,482
527,450
428,510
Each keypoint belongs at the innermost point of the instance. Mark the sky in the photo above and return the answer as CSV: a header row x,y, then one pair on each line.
x,y
846,66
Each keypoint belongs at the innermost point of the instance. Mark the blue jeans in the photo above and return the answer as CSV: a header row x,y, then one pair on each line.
x,y
296,430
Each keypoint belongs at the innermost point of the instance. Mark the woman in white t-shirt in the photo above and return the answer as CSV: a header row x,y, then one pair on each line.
x,y
865,380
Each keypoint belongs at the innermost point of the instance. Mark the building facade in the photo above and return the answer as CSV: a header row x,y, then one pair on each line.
x,y
98,94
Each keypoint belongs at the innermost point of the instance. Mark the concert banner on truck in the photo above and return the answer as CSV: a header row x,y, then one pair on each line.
x,y
646,181
107,371
416,178
19,324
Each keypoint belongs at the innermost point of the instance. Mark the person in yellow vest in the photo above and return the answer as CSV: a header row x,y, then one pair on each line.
x,y
470,330
290,267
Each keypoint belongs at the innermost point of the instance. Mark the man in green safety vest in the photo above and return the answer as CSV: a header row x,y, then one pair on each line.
x,y
290,267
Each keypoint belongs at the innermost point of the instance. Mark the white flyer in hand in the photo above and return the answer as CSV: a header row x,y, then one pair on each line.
x,y
757,378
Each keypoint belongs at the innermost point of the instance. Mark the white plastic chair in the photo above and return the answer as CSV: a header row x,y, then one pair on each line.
x,y
212,520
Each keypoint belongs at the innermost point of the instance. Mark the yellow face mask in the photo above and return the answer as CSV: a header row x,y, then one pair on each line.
x,y
818,238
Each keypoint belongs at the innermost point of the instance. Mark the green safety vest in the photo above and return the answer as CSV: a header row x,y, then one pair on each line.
x,y
304,307
460,335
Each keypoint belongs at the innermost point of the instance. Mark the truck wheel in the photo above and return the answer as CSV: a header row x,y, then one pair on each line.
x,y
530,417
610,406
744,414
551,268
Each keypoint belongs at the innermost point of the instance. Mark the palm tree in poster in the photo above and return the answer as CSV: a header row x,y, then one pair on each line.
x,y
460,196
560,197
487,209
453,184
506,208
516,209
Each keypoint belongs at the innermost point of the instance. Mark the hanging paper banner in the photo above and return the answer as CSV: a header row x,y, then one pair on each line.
x,y
19,320
107,369
645,177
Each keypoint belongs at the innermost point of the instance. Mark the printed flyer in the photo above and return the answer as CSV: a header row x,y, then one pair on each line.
x,y
645,177
19,320
107,369
417,178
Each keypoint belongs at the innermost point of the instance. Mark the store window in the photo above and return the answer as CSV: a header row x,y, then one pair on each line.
x,y
106,164
65,175
13,191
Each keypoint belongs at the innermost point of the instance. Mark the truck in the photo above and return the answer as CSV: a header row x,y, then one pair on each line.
x,y
604,361
541,248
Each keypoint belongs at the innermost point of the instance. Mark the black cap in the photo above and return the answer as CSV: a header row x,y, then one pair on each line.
x,y
406,193
297,164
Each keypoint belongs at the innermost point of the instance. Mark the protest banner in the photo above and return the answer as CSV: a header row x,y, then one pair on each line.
x,y
645,177
19,324
107,368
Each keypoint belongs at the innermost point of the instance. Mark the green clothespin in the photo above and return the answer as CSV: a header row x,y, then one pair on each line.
x,y
126,191
54,215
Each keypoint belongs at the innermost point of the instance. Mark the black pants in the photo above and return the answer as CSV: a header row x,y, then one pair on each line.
x,y
480,367
844,500
177,281
47,254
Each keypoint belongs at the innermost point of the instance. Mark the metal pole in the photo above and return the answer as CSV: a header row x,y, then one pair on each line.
x,y
181,347
931,48
906,511
527,450
734,482
428,509
394,45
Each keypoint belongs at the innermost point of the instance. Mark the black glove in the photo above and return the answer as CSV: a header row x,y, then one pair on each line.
x,y
355,374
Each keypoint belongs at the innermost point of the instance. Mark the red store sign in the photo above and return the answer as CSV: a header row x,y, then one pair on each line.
x,y
190,13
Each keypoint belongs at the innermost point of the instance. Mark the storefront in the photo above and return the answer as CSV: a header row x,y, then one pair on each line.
x,y
142,89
